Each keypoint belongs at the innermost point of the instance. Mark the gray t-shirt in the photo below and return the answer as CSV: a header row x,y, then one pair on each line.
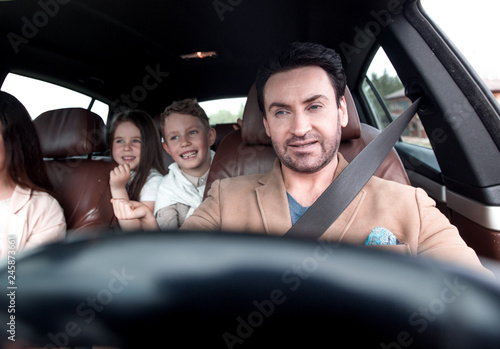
x,y
296,209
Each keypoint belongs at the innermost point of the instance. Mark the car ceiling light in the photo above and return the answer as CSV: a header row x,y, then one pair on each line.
x,y
200,55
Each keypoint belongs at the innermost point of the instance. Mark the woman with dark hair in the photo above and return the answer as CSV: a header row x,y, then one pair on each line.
x,y
135,146
30,216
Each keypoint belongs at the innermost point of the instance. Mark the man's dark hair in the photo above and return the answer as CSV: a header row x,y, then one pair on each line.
x,y
298,55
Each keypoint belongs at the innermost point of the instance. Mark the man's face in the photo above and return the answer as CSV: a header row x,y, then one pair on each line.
x,y
302,118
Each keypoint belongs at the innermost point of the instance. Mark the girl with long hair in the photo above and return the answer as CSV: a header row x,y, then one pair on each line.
x,y
136,148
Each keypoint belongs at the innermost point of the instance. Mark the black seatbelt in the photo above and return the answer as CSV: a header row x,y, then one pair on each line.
x,y
339,194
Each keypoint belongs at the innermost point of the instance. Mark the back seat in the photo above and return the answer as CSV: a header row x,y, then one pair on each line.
x,y
69,138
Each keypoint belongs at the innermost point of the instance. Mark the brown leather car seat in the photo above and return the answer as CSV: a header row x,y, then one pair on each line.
x,y
69,137
249,150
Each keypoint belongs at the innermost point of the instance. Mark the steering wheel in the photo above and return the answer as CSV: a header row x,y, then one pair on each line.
x,y
241,290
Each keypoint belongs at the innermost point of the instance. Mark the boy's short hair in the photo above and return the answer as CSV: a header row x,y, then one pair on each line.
x,y
188,106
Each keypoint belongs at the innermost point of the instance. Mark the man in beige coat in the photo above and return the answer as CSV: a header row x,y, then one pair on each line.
x,y
301,95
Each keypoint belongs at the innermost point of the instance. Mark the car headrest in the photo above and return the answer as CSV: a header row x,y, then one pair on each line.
x,y
70,132
253,131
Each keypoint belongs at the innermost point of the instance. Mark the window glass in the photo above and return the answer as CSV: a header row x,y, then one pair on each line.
x,y
101,109
39,96
481,50
224,111
385,95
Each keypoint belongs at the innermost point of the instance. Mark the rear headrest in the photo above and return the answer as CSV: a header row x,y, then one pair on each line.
x,y
70,132
253,131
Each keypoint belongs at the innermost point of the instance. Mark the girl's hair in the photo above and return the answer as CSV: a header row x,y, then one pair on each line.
x,y
23,154
151,156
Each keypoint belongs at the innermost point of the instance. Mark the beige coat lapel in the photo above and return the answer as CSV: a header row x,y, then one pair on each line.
x,y
273,203
336,232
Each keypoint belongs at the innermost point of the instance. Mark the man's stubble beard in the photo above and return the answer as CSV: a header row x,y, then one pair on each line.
x,y
301,164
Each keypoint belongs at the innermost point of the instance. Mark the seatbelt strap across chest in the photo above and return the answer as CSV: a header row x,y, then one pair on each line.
x,y
339,194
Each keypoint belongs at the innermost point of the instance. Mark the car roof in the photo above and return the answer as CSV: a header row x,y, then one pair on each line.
x,y
107,48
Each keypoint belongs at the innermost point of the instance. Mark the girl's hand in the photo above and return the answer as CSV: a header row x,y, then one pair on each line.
x,y
119,176
126,209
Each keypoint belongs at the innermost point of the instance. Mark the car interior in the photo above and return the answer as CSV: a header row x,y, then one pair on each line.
x,y
146,55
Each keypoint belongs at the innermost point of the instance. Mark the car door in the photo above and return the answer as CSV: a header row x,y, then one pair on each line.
x,y
451,148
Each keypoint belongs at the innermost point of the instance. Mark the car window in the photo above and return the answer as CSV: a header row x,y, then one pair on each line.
x,y
39,96
386,99
479,50
224,111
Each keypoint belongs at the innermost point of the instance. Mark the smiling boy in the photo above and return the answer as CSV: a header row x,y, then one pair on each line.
x,y
187,137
